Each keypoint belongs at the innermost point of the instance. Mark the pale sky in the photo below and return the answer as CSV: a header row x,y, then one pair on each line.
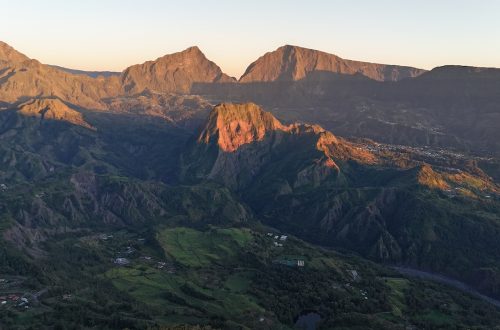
x,y
113,34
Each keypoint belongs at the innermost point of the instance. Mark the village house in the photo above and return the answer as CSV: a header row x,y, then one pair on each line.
x,y
129,250
354,274
121,261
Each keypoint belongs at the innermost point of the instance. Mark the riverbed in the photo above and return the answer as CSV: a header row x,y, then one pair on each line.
x,y
446,280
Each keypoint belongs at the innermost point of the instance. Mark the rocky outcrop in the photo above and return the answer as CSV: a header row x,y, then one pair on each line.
x,y
247,138
53,109
233,125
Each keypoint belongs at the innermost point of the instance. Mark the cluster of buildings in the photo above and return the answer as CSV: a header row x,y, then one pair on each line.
x,y
122,261
14,299
161,265
278,240
105,237
290,261
169,268
364,294
434,153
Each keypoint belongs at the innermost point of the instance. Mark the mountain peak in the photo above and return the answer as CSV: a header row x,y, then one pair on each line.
x,y
233,125
292,63
175,72
239,139
289,47
193,49
192,52
9,54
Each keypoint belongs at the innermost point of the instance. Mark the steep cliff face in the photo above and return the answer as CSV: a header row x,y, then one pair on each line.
x,y
233,125
292,63
242,139
173,73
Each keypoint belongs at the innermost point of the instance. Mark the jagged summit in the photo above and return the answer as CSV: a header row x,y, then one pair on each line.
x,y
173,73
292,63
193,49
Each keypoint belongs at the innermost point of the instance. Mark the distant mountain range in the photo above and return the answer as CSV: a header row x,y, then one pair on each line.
x,y
450,106
175,73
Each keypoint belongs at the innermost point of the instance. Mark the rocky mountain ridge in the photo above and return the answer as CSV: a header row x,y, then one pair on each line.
x,y
22,77
293,63
390,104
52,109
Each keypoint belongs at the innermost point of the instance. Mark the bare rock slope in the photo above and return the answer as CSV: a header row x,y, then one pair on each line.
x,y
53,109
173,73
292,63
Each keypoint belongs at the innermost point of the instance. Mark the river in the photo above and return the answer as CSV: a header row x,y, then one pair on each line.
x,y
446,280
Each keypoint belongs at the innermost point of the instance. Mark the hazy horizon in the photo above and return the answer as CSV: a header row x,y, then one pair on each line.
x,y
233,35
